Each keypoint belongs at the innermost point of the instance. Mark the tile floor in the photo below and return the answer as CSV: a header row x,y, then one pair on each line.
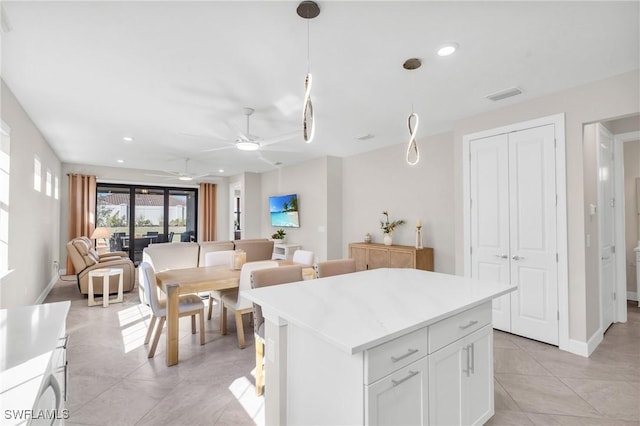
x,y
112,382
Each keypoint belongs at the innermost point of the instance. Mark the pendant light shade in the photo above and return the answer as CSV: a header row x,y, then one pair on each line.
x,y
308,10
413,154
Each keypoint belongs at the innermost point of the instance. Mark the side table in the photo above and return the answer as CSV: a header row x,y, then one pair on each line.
x,y
105,273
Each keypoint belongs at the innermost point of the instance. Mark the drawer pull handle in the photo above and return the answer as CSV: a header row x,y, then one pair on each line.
x,y
463,327
411,374
401,357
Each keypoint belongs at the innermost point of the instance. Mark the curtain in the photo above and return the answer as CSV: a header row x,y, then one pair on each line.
x,y
207,207
82,208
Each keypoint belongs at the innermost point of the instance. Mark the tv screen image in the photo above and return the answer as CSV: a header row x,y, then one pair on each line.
x,y
284,210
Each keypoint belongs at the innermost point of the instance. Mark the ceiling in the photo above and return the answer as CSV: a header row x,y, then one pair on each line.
x,y
176,76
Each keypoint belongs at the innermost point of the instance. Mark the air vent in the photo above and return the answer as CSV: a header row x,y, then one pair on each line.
x,y
364,136
503,94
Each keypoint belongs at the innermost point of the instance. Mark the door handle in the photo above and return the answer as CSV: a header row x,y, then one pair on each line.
x,y
516,257
502,256
473,359
466,370
605,258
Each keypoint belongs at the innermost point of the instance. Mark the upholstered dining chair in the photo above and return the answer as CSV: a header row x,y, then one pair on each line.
x,y
303,257
335,267
217,258
264,278
235,302
190,305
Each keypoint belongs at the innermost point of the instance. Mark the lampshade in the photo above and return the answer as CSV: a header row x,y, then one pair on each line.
x,y
100,232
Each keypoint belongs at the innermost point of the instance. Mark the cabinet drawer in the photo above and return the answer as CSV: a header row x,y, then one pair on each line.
x,y
451,329
389,357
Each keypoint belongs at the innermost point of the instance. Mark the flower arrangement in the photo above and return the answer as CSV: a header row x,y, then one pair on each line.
x,y
388,227
279,235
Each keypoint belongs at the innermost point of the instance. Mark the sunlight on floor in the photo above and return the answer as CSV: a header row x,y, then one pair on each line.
x,y
134,322
245,393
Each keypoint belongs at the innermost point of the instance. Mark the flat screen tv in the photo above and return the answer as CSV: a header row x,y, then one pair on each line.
x,y
284,211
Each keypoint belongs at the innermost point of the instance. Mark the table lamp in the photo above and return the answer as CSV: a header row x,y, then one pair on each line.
x,y
101,233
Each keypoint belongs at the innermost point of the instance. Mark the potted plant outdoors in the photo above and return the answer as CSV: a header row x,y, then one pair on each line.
x,y
280,235
388,226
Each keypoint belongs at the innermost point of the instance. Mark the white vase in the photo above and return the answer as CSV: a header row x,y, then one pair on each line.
x,y
387,239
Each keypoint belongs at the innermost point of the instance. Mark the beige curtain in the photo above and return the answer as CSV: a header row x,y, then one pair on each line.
x,y
82,208
207,211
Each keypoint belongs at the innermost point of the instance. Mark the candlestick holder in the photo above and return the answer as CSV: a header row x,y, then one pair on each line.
x,y
418,237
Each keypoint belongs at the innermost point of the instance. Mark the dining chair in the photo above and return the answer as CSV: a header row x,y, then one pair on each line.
x,y
264,278
237,303
335,267
189,305
304,257
217,258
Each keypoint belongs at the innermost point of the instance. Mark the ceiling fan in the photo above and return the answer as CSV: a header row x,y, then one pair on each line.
x,y
185,176
248,142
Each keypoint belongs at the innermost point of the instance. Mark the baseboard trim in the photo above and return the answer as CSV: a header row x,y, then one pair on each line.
x,y
47,289
632,295
585,349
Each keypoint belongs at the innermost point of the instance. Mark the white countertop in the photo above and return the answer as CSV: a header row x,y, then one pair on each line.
x,y
28,336
358,311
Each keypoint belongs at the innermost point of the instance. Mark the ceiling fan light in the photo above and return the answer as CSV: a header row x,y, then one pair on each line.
x,y
186,178
247,145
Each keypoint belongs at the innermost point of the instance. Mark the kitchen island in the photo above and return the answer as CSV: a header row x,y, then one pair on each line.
x,y
384,346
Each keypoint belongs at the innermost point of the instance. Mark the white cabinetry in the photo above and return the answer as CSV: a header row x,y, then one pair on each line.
x,y
33,371
285,251
400,398
461,381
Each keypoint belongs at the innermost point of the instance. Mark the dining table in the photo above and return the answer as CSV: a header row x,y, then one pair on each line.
x,y
175,282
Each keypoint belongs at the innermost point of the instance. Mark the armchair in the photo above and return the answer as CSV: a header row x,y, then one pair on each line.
x,y
85,258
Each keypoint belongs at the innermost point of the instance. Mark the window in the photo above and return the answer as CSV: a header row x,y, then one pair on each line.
x,y
37,174
4,198
56,188
150,214
48,183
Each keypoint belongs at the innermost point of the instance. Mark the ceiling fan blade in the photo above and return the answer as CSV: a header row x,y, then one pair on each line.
x,y
281,138
220,148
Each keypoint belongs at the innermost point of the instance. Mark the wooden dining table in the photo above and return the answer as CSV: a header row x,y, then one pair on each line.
x,y
195,280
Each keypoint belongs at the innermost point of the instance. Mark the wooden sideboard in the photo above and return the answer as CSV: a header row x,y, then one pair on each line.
x,y
373,256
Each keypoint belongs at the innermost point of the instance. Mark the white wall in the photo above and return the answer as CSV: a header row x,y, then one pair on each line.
x,y
308,180
381,180
33,216
631,173
614,97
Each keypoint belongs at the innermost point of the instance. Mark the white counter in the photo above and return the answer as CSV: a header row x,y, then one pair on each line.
x,y
398,346
29,338
358,311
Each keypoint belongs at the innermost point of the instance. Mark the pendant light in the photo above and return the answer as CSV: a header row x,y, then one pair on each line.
x,y
308,10
413,121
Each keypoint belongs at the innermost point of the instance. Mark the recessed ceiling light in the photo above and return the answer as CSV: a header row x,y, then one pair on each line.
x,y
127,139
221,171
447,49
120,161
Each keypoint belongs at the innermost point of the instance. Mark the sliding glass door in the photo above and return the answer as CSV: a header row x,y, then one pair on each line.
x,y
137,216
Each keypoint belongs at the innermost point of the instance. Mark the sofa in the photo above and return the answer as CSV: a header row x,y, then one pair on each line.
x,y
85,259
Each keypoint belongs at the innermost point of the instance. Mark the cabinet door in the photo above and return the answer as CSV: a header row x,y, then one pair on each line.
x,y
359,254
378,258
445,384
401,259
478,389
400,398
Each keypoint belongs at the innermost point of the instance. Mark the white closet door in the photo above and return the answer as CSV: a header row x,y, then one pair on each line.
x,y
606,224
489,181
533,248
